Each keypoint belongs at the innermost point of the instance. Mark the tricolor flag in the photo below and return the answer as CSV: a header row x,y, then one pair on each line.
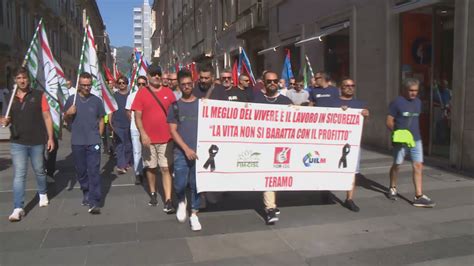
x,y
140,69
287,72
245,67
307,72
47,75
90,63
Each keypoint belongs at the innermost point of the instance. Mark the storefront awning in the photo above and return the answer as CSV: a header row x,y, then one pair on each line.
x,y
325,31
275,47
412,4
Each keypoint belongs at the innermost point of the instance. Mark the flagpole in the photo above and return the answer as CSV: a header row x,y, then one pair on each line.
x,y
80,62
27,56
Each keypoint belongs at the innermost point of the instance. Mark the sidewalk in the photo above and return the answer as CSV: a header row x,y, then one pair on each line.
x,y
311,231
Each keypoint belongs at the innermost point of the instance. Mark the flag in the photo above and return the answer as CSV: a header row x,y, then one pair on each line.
x,y
307,72
194,72
287,73
116,72
235,74
245,67
140,69
90,63
46,74
108,74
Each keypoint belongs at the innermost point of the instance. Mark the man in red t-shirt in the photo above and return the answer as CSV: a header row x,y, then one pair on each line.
x,y
150,117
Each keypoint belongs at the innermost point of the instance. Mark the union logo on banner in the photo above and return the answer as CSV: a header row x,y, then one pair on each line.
x,y
282,157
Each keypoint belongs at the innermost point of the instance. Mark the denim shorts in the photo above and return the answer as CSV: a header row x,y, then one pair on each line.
x,y
416,153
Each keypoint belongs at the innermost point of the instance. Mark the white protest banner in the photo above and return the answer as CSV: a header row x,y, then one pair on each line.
x,y
265,147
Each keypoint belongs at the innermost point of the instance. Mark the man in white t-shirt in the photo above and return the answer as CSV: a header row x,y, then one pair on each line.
x,y
136,143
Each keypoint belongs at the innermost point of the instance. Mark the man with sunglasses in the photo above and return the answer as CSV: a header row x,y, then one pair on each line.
x,y
271,96
324,88
135,134
227,92
86,115
183,123
151,107
297,94
347,100
120,124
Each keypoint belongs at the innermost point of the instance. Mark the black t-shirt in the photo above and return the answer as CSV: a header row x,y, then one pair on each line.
x,y
234,94
281,99
199,91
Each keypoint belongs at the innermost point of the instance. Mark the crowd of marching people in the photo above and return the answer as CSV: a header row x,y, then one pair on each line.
x,y
155,130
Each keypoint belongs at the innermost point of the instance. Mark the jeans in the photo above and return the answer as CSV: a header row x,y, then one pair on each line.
x,y
20,154
137,152
123,147
184,172
87,164
416,153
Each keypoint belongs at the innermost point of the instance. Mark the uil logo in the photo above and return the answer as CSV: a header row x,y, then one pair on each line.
x,y
313,158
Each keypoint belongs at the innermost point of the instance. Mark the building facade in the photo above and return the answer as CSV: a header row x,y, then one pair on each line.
x,y
143,29
63,20
376,42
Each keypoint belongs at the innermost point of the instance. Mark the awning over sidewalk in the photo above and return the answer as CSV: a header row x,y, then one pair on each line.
x,y
412,4
275,47
325,31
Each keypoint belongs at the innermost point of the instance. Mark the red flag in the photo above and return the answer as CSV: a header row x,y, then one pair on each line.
x,y
235,74
194,72
108,75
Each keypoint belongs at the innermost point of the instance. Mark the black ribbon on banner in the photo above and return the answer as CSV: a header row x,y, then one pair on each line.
x,y
212,154
345,151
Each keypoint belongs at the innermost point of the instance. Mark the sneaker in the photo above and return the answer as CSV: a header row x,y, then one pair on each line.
x,y
94,210
194,222
85,199
17,215
153,199
50,179
181,212
121,171
423,201
43,200
392,193
348,203
138,179
277,211
271,216
168,208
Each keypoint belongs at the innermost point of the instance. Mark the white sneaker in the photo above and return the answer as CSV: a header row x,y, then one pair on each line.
x,y
181,212
16,215
195,224
43,202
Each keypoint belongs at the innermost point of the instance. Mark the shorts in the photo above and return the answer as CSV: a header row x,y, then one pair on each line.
x,y
416,153
158,155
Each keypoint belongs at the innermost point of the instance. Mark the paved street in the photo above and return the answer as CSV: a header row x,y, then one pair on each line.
x,y
313,230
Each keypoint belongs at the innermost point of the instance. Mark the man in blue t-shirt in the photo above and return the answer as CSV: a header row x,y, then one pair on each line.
x,y
86,115
323,88
120,124
183,123
404,114
346,100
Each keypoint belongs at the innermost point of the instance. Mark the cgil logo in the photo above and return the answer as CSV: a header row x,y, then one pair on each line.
x,y
312,158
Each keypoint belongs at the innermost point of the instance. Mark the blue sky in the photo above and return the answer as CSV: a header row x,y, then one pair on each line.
x,y
117,16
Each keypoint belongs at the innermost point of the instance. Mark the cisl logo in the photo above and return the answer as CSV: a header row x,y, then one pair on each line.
x,y
282,157
312,158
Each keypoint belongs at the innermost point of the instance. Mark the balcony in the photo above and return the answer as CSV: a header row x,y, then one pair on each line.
x,y
255,20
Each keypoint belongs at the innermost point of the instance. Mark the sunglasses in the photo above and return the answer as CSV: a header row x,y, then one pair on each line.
x,y
141,84
86,85
245,80
293,84
122,83
226,78
269,81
